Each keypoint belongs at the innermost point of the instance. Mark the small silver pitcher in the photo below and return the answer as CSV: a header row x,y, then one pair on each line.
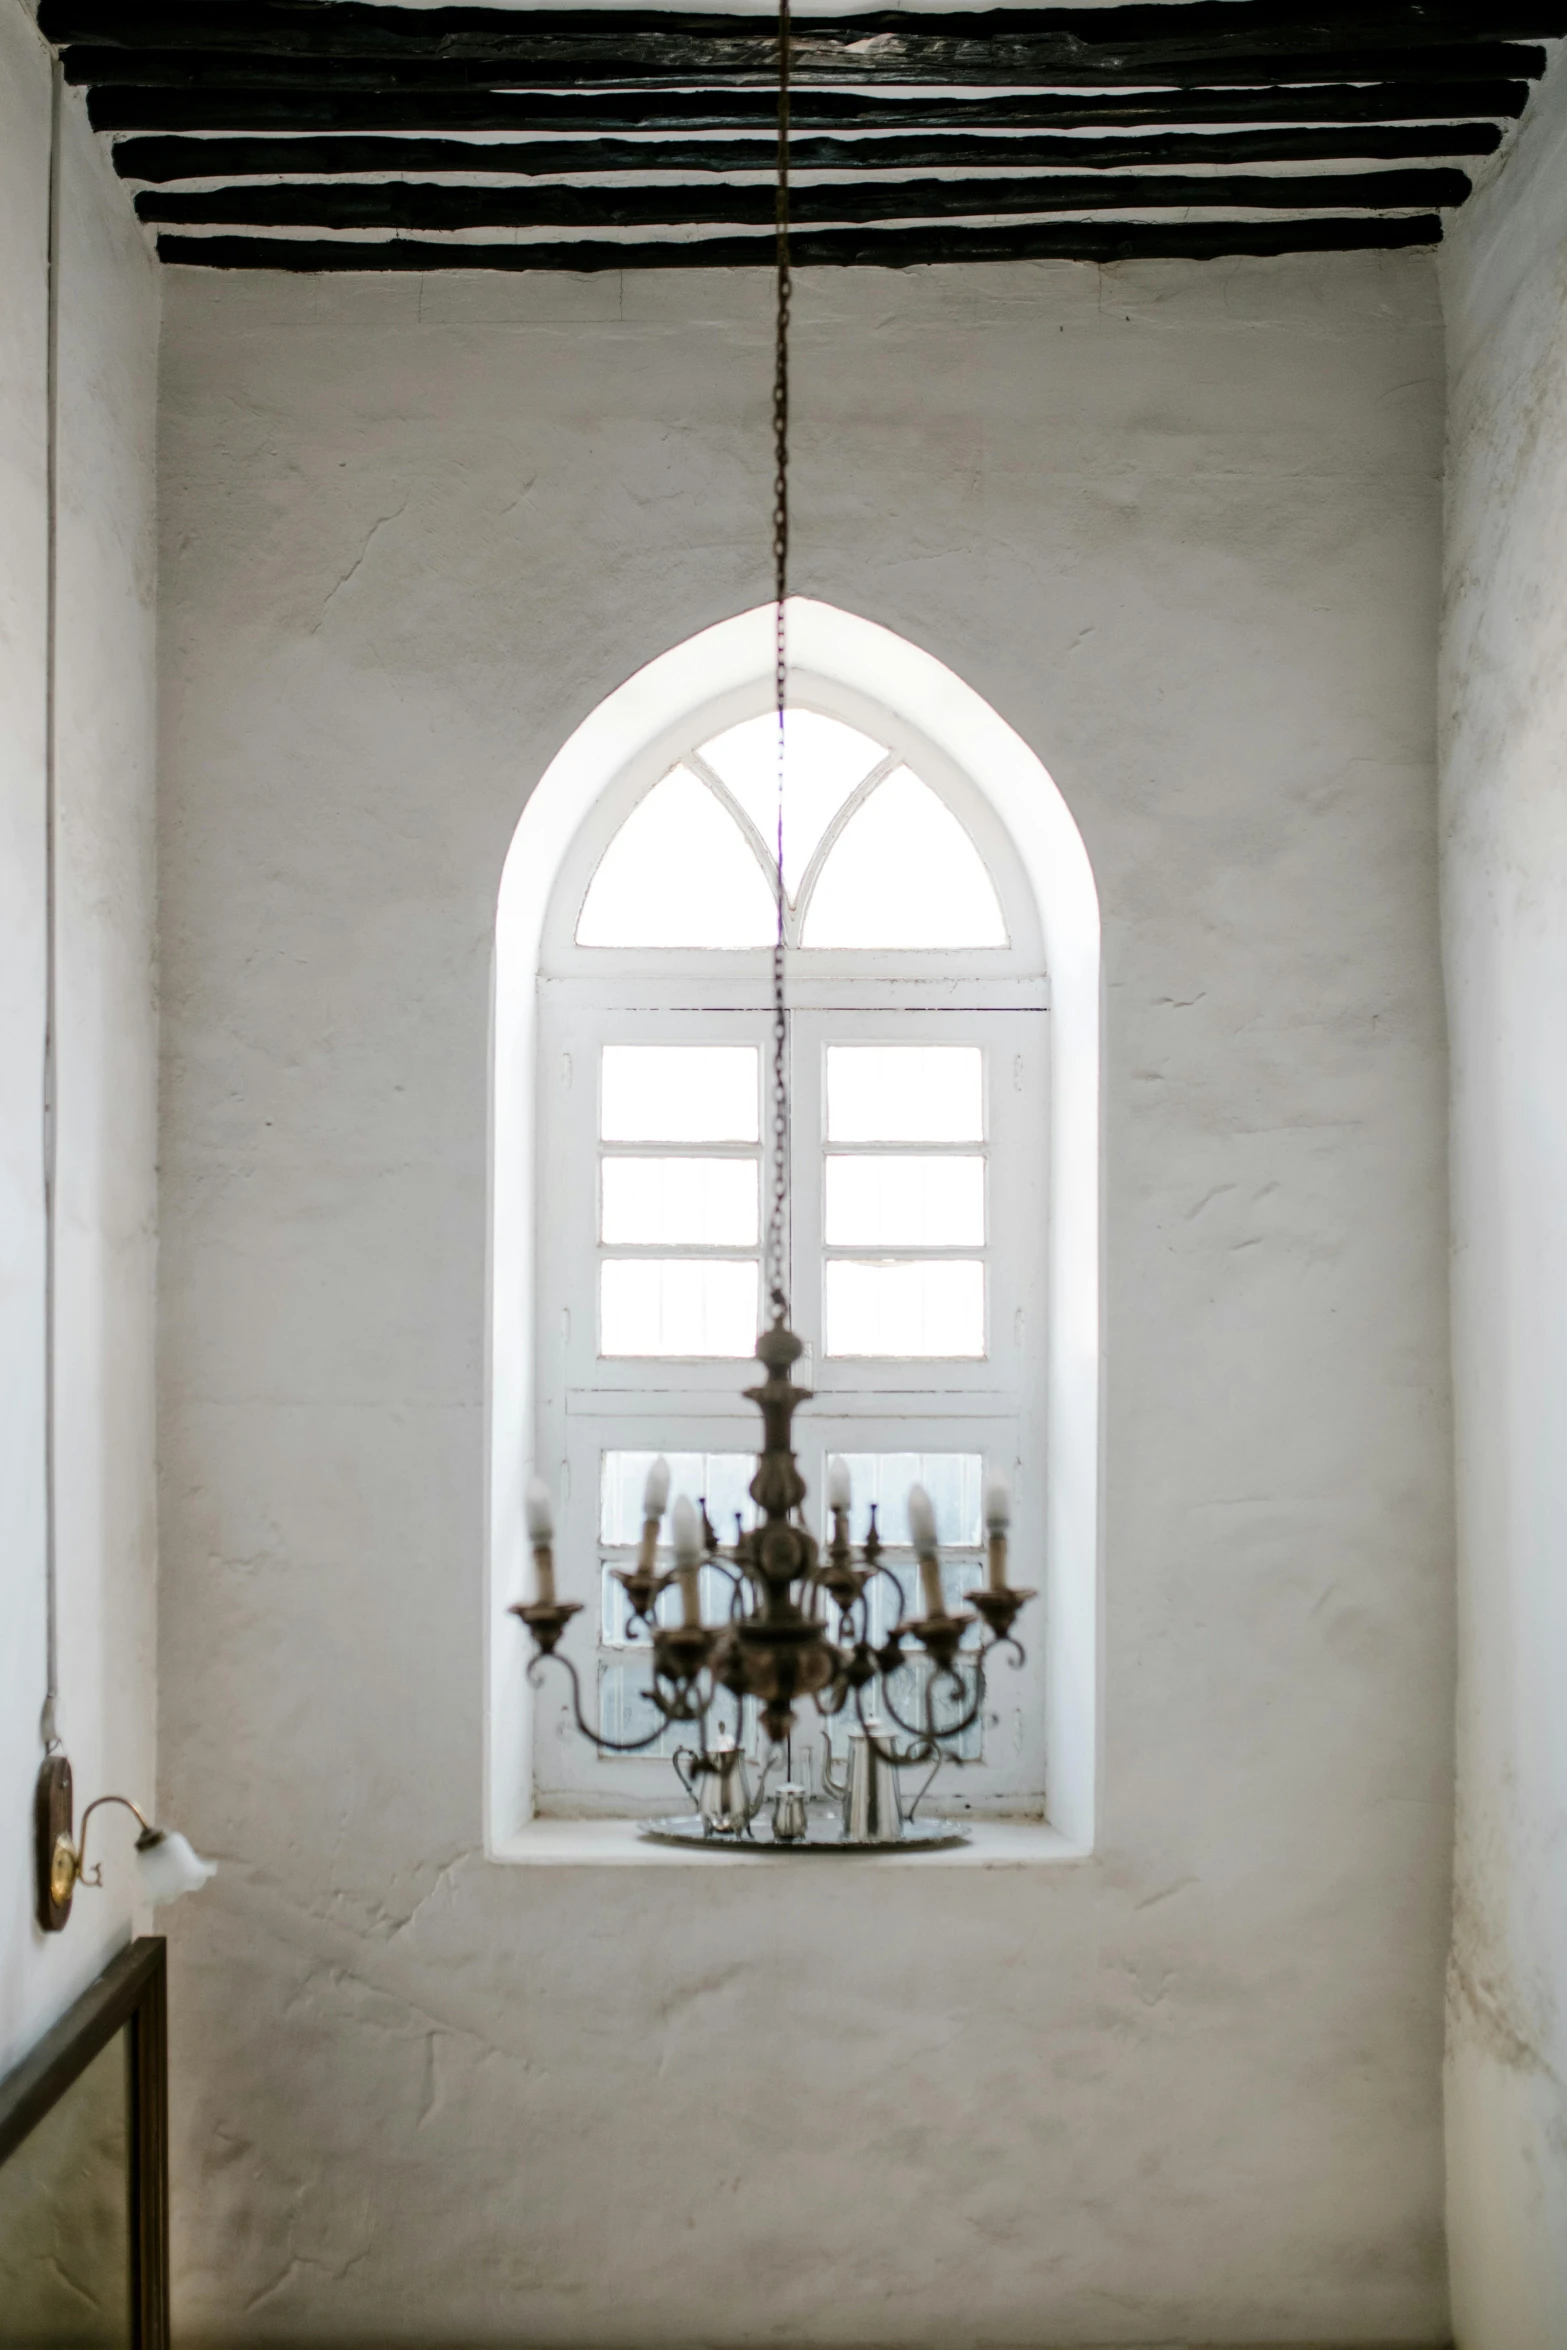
x,y
719,1785
790,1819
872,1802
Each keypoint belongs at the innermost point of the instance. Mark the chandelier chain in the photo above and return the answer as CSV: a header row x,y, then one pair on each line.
x,y
772,1649
778,1215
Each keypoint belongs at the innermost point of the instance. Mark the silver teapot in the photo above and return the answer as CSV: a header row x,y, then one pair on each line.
x,y
719,1785
872,1801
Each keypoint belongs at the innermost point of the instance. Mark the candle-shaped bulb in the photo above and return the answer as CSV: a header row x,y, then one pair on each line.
x,y
655,1494
922,1521
998,1503
840,1490
686,1532
537,1512
541,1528
922,1533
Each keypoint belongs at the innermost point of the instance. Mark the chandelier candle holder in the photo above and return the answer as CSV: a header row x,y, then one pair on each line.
x,y
773,1645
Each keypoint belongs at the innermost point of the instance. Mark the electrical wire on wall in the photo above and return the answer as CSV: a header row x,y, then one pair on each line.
x,y
47,1727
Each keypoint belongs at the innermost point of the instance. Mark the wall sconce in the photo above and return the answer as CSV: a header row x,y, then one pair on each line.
x,y
166,1866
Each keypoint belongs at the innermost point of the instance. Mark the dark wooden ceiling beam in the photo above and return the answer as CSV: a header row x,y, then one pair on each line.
x,y
1149,31
917,60
1410,85
161,160
326,108
421,205
841,248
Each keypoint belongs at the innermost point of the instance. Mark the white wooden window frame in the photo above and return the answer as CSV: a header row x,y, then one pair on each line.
x,y
591,997
880,683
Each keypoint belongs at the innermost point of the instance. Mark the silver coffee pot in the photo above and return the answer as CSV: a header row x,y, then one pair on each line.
x,y
872,1801
719,1785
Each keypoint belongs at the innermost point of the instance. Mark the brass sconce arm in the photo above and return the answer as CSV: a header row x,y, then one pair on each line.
x,y
149,1835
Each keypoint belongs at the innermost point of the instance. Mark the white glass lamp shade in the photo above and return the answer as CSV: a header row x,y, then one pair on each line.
x,y
166,1866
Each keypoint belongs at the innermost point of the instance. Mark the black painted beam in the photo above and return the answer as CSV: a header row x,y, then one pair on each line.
x,y
328,109
844,248
416,205
1162,32
162,159
916,59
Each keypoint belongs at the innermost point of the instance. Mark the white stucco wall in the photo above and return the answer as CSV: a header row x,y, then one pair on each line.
x,y
107,1056
1504,829
1180,525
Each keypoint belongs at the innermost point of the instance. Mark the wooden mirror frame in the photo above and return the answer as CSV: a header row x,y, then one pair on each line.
x,y
130,1994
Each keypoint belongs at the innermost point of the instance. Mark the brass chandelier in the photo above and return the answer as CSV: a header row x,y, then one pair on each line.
x,y
774,1647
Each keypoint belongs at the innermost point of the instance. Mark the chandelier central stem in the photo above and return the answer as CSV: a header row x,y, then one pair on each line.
x,y
778,1209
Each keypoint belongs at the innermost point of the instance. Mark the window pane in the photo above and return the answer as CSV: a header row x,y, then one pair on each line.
x,y
905,1203
905,1093
904,873
678,873
954,1481
627,1711
674,1200
934,1309
677,1306
823,761
679,1093
722,1477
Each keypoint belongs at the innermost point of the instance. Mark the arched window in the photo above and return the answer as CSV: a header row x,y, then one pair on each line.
x,y
918,1084
944,1176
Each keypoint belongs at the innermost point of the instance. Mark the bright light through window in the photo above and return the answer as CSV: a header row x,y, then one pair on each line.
x,y
904,873
823,762
685,870
678,873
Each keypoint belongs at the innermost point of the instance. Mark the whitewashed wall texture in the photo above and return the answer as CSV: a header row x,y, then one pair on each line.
x,y
1180,525
1504,704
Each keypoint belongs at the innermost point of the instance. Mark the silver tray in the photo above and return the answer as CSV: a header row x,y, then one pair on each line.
x,y
823,1833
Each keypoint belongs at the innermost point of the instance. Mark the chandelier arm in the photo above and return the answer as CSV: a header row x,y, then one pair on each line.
x,y
927,1783
924,1743
903,1598
928,1734
683,1709
735,1575
594,1737
975,1703
889,1704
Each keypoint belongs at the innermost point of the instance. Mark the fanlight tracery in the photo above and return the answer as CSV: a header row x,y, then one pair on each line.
x,y
873,857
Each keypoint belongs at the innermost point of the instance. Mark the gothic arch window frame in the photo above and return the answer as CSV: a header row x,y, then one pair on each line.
x,y
815,968
1013,811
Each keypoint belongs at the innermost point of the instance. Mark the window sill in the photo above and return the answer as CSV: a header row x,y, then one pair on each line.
x,y
995,1844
